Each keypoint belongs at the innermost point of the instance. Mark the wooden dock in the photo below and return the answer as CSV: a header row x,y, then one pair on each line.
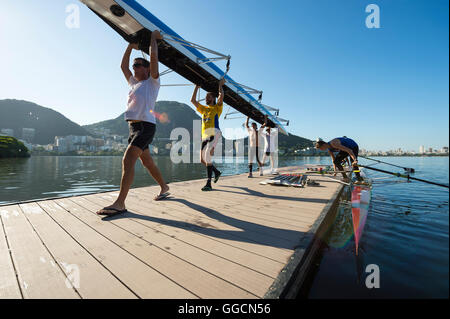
x,y
242,240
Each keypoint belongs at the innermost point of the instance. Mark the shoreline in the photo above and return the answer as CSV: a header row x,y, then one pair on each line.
x,y
167,155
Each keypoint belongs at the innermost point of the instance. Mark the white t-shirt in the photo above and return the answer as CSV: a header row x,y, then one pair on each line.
x,y
270,140
142,99
252,135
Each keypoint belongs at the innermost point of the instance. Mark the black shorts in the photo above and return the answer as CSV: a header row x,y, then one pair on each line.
x,y
341,156
141,134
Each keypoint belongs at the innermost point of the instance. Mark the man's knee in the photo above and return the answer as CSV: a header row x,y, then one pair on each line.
x,y
130,157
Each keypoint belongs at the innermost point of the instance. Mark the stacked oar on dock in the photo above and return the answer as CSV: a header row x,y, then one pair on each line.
x,y
290,180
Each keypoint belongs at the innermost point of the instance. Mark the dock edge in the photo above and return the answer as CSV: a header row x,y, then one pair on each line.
x,y
291,278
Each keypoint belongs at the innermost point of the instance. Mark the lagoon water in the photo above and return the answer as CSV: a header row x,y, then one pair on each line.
x,y
406,234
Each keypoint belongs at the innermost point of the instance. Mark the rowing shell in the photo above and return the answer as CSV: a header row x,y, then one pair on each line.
x,y
135,24
361,196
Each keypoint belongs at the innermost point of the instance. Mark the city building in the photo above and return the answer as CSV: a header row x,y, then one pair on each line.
x,y
60,144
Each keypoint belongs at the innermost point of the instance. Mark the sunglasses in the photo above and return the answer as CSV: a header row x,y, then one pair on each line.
x,y
136,65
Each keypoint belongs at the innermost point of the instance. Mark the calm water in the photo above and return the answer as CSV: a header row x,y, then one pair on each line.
x,y
406,234
51,176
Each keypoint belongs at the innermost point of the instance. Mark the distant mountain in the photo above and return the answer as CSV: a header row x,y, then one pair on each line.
x,y
17,114
293,142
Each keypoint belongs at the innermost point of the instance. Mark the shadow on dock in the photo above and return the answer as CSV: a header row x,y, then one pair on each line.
x,y
276,239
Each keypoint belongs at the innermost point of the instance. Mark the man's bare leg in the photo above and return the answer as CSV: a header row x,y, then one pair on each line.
x,y
128,162
202,157
264,160
272,162
154,171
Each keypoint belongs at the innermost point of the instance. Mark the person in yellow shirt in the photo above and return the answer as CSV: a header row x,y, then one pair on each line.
x,y
211,133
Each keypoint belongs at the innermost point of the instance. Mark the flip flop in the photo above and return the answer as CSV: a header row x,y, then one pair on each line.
x,y
161,196
114,211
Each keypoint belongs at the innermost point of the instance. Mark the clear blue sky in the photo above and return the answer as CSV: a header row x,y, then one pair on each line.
x,y
315,60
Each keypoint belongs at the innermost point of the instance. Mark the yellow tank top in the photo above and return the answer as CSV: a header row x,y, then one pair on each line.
x,y
210,119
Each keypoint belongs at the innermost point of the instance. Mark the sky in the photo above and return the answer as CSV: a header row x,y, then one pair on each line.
x,y
315,60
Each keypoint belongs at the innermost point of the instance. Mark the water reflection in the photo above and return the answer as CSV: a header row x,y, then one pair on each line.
x,y
406,236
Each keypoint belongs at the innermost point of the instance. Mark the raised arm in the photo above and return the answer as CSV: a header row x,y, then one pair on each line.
x,y
154,66
221,95
265,121
246,122
125,66
194,97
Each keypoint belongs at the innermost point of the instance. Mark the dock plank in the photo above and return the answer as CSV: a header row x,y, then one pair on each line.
x,y
213,223
220,203
203,283
248,259
9,286
95,281
208,214
149,283
229,271
231,212
39,274
246,240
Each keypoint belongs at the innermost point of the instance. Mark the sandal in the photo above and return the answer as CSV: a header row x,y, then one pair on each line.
x,y
114,211
161,196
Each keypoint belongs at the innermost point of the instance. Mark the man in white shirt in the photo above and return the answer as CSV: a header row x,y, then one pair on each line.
x,y
253,147
270,148
140,115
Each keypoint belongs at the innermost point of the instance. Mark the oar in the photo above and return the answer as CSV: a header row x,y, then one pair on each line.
x,y
408,169
404,176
